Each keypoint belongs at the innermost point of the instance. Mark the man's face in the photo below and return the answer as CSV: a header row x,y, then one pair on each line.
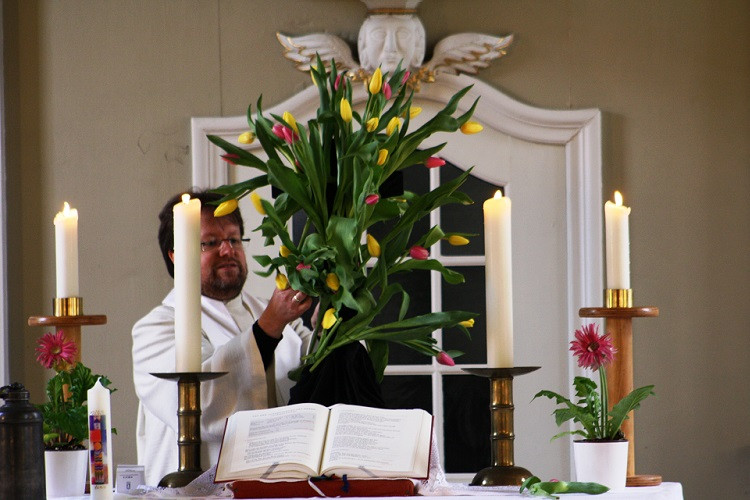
x,y
223,268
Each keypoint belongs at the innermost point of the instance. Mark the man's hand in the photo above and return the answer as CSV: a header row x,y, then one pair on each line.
x,y
284,306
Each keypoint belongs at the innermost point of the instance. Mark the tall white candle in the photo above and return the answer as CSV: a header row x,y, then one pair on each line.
x,y
187,284
499,281
66,252
617,243
100,442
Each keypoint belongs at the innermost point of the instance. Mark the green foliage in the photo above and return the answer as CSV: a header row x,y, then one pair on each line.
x,y
550,489
327,170
65,413
588,412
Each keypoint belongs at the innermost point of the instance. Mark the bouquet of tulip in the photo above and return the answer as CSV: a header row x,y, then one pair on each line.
x,y
591,410
334,168
65,413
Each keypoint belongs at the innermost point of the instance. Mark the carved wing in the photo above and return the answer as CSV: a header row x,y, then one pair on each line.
x,y
301,50
466,53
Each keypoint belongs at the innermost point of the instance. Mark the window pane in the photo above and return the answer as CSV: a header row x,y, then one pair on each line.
x,y
465,218
467,296
407,391
467,423
417,285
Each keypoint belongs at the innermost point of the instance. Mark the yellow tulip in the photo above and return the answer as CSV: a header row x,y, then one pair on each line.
x,y
373,246
246,138
332,281
345,110
393,125
372,124
376,81
414,111
329,318
289,119
284,251
282,283
225,208
382,156
255,198
471,128
457,240
469,323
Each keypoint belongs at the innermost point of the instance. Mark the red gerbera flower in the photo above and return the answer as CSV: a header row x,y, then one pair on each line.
x,y
591,349
55,349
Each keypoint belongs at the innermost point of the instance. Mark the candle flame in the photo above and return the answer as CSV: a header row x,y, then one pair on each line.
x,y
185,198
66,208
498,194
618,198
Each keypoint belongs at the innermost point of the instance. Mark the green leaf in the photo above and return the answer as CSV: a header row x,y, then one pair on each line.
x,y
619,412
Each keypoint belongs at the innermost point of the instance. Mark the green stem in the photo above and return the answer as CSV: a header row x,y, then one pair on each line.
x,y
605,403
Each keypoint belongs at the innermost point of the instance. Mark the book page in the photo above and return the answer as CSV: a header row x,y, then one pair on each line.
x,y
291,434
374,440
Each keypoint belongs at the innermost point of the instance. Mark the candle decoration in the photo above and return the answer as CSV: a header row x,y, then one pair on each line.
x,y
100,442
187,285
617,243
66,251
499,278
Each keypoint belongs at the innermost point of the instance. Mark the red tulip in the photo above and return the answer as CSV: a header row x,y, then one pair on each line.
x,y
419,253
278,130
302,266
338,80
372,199
230,157
444,359
434,161
406,77
387,91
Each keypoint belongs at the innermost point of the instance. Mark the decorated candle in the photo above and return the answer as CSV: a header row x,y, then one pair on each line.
x,y
100,442
187,284
498,274
66,252
617,243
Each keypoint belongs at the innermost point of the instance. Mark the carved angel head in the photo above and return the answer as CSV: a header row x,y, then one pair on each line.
x,y
387,39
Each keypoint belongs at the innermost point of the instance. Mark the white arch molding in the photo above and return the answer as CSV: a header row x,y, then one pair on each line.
x,y
567,143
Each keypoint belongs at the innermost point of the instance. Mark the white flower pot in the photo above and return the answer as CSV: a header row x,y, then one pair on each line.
x,y
603,462
65,472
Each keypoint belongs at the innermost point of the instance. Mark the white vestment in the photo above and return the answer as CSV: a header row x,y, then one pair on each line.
x,y
226,347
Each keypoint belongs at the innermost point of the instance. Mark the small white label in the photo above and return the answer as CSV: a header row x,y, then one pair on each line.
x,y
129,477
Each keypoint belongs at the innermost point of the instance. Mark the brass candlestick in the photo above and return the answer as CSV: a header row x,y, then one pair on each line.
x,y
619,313
68,317
188,426
502,472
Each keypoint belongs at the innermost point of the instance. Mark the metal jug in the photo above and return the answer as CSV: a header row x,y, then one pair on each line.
x,y
21,446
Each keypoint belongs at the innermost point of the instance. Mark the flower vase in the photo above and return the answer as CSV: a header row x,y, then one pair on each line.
x,y
603,462
65,472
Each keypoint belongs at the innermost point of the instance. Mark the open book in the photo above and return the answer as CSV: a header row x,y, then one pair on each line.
x,y
303,440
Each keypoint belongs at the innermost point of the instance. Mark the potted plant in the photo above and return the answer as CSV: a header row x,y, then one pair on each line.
x,y
65,414
601,456
336,170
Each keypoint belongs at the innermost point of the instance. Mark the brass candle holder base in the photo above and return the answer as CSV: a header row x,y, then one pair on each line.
x,y
502,472
68,317
619,313
188,426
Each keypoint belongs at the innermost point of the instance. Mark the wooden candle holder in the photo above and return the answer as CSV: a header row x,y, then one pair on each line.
x,y
619,315
69,317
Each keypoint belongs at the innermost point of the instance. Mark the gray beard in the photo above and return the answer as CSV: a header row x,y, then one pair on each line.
x,y
220,289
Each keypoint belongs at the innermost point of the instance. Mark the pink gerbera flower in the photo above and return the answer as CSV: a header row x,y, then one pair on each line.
x,y
592,349
55,349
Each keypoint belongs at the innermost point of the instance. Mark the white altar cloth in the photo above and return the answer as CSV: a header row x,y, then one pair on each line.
x,y
665,491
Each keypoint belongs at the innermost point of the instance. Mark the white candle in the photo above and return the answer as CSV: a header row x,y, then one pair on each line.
x,y
499,281
187,284
100,442
617,243
66,252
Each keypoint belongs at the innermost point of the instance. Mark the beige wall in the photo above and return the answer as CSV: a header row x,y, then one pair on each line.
x,y
100,94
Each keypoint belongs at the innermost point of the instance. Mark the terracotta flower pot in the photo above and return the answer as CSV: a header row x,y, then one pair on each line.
x,y
603,462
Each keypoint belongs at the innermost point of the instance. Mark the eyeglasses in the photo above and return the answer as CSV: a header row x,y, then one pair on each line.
x,y
213,245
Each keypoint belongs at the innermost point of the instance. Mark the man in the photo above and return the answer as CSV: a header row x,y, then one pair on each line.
x,y
257,342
